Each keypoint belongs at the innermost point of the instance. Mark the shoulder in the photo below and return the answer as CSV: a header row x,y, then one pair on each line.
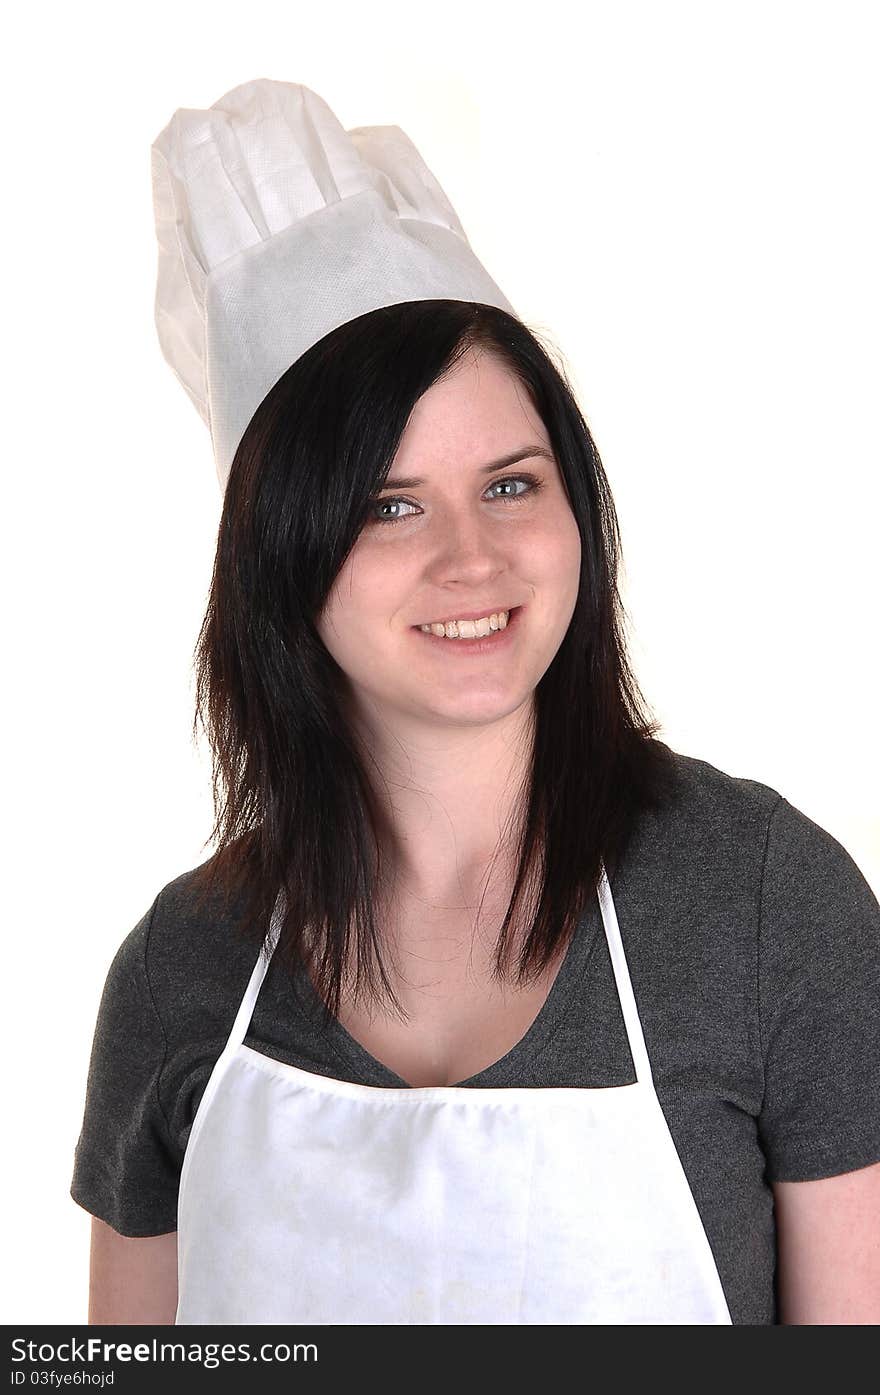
x,y
701,795
196,957
707,831
714,828
699,791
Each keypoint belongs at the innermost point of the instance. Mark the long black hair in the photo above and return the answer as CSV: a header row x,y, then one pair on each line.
x,y
295,808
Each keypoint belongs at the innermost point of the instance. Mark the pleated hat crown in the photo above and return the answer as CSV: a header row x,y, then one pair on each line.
x,y
274,226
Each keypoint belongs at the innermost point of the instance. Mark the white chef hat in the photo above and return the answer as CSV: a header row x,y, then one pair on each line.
x,y
275,225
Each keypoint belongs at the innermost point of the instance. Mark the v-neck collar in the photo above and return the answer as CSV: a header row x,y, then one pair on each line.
x,y
510,1068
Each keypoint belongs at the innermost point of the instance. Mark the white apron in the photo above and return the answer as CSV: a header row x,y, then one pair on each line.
x,y
306,1199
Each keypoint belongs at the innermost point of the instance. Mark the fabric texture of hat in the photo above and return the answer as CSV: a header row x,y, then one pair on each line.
x,y
275,225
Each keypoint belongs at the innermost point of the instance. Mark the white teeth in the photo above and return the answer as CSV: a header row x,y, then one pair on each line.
x,y
469,629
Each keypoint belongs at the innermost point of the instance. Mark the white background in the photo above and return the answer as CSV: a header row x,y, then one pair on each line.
x,y
682,196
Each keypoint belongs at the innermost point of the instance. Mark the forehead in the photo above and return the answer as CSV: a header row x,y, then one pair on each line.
x,y
481,407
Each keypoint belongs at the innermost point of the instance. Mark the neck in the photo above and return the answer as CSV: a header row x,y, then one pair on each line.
x,y
450,803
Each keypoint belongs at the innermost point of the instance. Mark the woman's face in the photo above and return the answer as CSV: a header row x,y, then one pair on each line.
x,y
461,544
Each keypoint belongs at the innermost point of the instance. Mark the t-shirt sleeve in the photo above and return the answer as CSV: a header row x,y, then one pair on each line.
x,y
126,1169
819,1004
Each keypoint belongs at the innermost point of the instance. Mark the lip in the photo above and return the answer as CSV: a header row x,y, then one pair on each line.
x,y
487,644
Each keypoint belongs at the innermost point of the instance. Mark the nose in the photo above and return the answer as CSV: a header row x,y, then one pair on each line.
x,y
467,554
465,535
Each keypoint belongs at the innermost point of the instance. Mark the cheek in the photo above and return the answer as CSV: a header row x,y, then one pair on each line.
x,y
334,622
556,551
362,598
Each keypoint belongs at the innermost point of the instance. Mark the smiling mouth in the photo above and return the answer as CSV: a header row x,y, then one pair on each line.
x,y
427,625
476,643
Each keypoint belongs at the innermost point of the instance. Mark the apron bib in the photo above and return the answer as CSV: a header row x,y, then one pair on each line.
x,y
306,1199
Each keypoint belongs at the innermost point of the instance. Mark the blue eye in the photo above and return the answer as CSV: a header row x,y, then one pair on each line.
x,y
531,480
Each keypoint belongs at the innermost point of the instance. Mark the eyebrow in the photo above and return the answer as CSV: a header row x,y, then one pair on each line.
x,y
524,453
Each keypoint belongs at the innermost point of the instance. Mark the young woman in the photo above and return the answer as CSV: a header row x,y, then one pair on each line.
x,y
557,1025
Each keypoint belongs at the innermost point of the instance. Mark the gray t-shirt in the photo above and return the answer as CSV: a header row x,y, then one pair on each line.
x,y
753,944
